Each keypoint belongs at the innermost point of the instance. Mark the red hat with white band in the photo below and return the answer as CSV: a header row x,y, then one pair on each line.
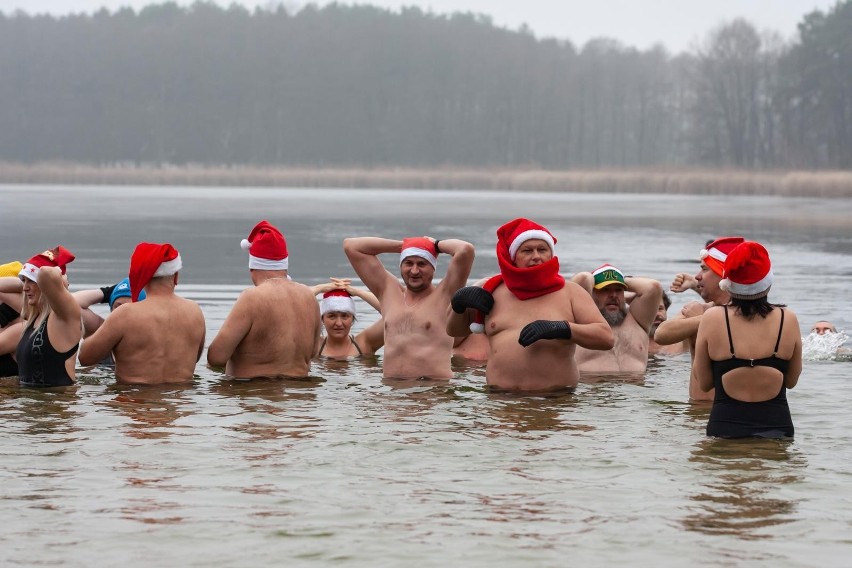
x,y
152,260
748,272
422,247
59,257
518,231
715,253
337,301
267,248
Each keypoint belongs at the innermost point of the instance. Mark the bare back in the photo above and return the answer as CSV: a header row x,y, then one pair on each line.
x,y
156,341
416,342
544,365
271,331
628,355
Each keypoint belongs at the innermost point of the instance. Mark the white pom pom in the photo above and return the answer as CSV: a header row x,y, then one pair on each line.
x,y
244,244
477,327
725,284
703,254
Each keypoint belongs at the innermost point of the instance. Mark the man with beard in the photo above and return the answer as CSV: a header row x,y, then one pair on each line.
x,y
533,319
415,313
630,324
684,326
655,348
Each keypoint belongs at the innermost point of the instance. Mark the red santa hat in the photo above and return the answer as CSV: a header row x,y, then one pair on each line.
x,y
715,253
59,257
517,231
151,260
267,248
419,246
337,301
748,272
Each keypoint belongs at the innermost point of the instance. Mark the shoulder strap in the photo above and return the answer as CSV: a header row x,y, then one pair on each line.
x,y
780,329
355,343
728,325
322,346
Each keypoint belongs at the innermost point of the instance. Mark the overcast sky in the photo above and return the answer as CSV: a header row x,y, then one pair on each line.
x,y
677,24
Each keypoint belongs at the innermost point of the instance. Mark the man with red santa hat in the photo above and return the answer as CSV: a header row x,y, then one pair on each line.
x,y
273,329
532,317
684,326
415,313
156,341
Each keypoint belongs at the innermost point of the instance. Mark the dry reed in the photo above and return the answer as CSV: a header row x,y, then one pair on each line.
x,y
835,184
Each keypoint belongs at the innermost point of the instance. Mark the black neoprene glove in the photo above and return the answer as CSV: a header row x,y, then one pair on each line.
x,y
544,329
472,297
107,292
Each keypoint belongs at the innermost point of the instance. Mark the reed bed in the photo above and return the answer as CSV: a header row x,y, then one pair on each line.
x,y
835,184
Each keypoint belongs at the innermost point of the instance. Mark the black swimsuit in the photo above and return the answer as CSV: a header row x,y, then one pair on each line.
x,y
351,338
732,418
39,364
8,314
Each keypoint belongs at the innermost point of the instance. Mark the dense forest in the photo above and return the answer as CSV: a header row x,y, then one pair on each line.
x,y
362,86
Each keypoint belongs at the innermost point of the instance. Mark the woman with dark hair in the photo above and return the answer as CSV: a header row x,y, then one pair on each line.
x,y
750,351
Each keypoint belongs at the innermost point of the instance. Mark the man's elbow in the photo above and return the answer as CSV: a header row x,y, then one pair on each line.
x,y
216,357
88,356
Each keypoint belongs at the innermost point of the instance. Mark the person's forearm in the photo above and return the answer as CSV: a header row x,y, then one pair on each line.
x,y
11,284
585,280
597,336
371,245
676,330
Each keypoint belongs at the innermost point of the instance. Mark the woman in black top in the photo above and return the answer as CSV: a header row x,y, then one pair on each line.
x,y
750,351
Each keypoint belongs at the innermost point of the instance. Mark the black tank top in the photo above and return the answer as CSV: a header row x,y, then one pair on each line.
x,y
39,364
732,418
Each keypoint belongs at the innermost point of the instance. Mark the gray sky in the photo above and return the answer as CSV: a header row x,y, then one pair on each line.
x,y
677,24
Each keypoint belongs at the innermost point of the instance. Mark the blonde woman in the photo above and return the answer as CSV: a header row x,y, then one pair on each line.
x,y
46,352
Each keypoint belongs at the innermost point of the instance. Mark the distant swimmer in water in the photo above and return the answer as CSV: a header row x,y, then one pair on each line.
x,y
630,323
273,329
415,313
684,326
825,343
51,330
749,352
338,313
533,319
157,341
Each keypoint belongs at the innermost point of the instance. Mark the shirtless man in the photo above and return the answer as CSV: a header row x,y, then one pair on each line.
x,y
533,319
655,348
630,324
684,326
156,341
273,328
415,313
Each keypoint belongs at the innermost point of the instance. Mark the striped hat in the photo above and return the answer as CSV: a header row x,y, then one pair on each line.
x,y
715,253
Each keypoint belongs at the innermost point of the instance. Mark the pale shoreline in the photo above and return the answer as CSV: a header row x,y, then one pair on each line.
x,y
683,181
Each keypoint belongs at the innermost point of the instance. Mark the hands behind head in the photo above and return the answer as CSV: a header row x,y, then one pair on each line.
x,y
544,329
472,297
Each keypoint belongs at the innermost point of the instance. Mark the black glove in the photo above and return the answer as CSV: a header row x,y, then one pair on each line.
x,y
544,329
472,297
107,292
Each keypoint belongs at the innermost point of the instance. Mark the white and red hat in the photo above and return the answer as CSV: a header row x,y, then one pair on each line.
x,y
518,231
151,260
715,253
267,248
59,257
748,272
419,246
337,301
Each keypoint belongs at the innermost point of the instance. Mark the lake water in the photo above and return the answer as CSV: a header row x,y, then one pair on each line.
x,y
352,470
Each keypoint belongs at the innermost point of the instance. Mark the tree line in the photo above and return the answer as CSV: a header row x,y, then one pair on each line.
x,y
363,86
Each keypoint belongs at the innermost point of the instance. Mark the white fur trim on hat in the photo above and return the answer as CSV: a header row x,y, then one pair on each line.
x,y
257,263
477,327
337,304
755,290
422,253
527,235
713,253
169,267
29,271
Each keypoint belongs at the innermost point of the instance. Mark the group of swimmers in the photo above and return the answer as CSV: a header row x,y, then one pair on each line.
x,y
535,330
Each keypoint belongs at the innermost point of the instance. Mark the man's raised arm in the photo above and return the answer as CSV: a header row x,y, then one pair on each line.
x,y
648,294
363,252
458,271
